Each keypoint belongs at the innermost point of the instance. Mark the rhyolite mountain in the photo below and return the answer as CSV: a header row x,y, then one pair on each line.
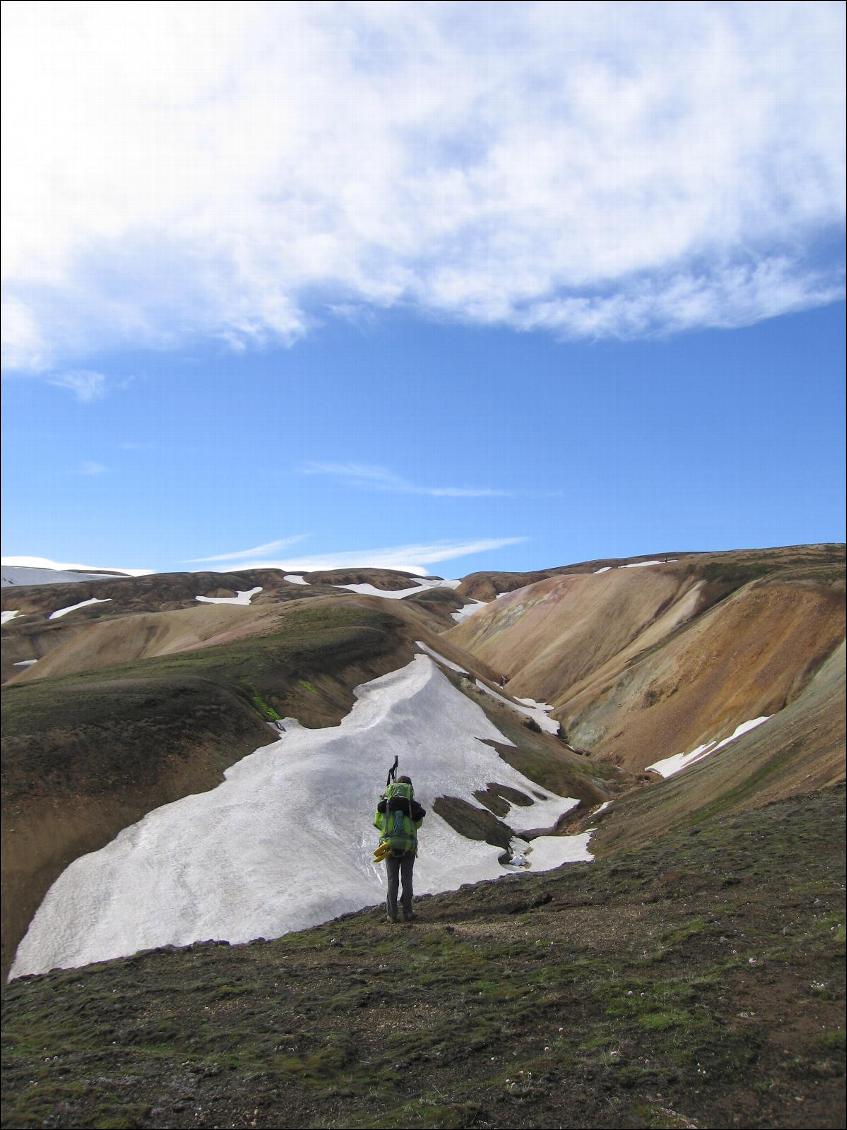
x,y
145,690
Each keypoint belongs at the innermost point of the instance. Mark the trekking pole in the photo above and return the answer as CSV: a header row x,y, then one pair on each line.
x,y
392,772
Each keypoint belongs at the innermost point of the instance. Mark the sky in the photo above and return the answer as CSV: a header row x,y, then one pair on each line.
x,y
435,286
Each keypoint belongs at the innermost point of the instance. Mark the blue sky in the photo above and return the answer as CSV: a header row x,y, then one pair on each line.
x,y
442,286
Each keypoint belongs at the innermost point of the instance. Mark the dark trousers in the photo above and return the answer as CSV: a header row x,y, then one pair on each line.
x,y
395,869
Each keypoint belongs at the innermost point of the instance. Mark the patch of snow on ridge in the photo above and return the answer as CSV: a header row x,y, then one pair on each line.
x,y
243,598
670,765
605,569
389,594
295,579
25,663
440,658
73,607
421,585
641,564
286,841
538,711
5,617
468,610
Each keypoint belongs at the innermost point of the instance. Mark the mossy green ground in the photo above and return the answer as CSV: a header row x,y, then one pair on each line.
x,y
699,982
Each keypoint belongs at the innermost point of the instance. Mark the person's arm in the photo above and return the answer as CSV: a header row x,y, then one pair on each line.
x,y
418,812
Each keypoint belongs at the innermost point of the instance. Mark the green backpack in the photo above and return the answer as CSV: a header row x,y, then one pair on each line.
x,y
398,829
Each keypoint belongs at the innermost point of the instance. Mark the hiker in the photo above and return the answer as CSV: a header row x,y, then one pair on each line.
x,y
398,817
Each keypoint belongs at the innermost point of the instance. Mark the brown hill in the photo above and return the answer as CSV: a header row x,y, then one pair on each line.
x,y
31,634
643,663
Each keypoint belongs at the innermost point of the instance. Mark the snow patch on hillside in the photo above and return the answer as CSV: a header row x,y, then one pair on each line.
x,y
641,564
547,852
73,607
440,658
243,597
538,711
421,585
469,610
5,617
670,765
286,841
295,579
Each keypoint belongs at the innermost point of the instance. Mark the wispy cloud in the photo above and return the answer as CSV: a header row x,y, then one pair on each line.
x,y
585,169
415,558
381,478
90,467
85,384
248,554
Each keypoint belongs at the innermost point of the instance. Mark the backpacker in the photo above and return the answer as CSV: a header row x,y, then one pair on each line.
x,y
398,829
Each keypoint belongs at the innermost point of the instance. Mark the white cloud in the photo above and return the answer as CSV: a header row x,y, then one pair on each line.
x,y
90,467
380,478
85,384
416,558
256,551
241,170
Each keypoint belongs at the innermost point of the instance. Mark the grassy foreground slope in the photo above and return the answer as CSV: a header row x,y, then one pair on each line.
x,y
698,982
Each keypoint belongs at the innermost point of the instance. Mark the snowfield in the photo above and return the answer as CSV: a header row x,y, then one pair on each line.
x,y
286,841
420,585
670,765
73,607
242,597
469,610
538,711
43,571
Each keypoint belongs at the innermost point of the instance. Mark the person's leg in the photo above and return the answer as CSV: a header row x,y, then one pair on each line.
x,y
392,874
407,864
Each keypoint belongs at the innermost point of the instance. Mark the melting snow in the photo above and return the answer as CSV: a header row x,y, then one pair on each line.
x,y
25,663
670,765
641,564
468,610
286,841
605,569
389,594
295,579
440,658
5,617
397,594
541,814
532,709
243,598
73,607
546,852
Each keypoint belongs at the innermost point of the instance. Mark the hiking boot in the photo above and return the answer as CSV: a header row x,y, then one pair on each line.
x,y
409,916
391,917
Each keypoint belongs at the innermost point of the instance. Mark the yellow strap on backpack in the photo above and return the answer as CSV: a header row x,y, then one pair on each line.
x,y
382,850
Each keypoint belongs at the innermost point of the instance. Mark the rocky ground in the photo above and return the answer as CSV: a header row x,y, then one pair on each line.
x,y
698,982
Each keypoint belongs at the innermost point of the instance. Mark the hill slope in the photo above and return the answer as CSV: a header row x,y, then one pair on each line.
x,y
694,983
644,663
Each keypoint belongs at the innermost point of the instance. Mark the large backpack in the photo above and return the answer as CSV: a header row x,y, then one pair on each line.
x,y
398,827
